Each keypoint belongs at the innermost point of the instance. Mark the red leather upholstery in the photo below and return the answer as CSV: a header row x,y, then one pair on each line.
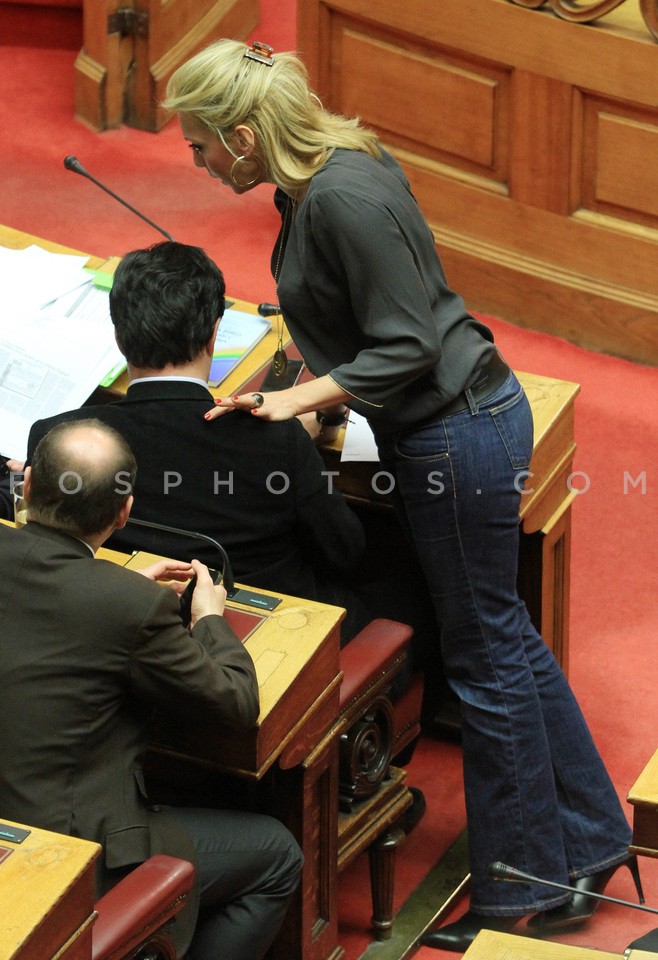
x,y
370,660
370,656
139,905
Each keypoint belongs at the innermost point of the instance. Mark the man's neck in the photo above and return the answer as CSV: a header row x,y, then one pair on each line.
x,y
196,369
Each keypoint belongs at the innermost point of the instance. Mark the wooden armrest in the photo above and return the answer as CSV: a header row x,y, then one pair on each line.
x,y
140,904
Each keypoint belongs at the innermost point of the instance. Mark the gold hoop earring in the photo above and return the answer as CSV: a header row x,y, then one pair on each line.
x,y
248,183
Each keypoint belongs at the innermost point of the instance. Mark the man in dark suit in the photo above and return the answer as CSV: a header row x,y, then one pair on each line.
x,y
258,488
88,649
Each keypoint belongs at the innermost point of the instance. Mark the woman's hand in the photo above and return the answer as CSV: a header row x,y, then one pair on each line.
x,y
322,393
175,573
276,405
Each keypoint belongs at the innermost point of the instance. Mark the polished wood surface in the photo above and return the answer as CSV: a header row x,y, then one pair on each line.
x,y
47,896
491,945
121,77
290,754
596,9
530,143
644,798
295,651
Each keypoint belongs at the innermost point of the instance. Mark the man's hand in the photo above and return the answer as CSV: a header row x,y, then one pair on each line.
x,y
207,599
175,573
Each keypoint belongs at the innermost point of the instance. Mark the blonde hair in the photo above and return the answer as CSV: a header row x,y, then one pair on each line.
x,y
220,89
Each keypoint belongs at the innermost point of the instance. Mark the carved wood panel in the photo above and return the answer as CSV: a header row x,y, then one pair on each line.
x,y
530,143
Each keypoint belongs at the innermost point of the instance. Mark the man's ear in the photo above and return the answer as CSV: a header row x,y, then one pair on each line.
x,y
27,477
209,348
124,513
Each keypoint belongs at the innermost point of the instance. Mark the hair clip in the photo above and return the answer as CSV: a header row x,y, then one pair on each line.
x,y
261,52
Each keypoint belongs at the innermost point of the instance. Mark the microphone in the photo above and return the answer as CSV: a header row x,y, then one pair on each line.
x,y
72,163
268,309
227,571
501,871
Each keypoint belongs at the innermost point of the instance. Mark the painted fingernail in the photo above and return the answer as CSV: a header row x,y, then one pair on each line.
x,y
218,400
206,416
236,398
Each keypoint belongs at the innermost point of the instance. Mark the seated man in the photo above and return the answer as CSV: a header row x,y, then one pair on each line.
x,y
258,488
88,649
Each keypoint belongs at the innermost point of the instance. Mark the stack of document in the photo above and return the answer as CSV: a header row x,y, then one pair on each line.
x,y
56,340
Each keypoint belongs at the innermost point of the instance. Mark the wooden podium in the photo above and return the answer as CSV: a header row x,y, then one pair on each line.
x,y
288,766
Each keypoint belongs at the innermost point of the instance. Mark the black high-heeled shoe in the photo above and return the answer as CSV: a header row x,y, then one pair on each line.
x,y
458,936
581,907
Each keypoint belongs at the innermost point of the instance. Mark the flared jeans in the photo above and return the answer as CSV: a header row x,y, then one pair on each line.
x,y
538,796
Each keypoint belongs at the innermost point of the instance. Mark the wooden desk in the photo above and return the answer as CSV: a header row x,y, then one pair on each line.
x,y
491,945
289,763
47,896
544,570
644,798
288,766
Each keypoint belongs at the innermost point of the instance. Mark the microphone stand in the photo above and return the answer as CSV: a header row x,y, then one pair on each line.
x,y
227,571
72,163
501,871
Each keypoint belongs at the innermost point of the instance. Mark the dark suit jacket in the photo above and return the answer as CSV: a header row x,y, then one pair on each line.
x,y
87,649
256,487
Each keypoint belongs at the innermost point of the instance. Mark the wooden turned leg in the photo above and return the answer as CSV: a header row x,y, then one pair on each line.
x,y
381,854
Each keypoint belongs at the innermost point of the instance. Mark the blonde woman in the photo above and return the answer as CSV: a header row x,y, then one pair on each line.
x,y
366,300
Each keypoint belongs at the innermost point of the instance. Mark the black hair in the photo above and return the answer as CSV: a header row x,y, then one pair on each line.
x,y
164,303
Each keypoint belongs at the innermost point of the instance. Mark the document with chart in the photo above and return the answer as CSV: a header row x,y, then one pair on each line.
x,y
56,340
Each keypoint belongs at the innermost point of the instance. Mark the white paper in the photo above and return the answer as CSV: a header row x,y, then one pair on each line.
x,y
33,277
359,442
51,358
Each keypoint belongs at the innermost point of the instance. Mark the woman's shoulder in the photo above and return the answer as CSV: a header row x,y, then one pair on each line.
x,y
356,173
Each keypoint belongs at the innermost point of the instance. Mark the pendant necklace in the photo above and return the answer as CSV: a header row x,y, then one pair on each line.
x,y
280,359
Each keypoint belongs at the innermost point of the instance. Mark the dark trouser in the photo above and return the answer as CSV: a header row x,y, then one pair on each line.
x,y
248,867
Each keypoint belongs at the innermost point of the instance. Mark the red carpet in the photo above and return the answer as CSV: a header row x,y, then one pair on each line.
x,y
614,552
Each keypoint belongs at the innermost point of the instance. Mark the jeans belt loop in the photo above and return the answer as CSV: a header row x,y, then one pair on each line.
x,y
471,401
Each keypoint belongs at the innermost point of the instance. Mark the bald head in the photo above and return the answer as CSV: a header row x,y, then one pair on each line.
x,y
81,477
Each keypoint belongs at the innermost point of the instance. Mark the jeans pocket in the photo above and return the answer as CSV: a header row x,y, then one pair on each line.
x,y
513,421
426,444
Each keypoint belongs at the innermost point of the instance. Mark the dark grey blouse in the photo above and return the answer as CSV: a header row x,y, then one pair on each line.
x,y
365,298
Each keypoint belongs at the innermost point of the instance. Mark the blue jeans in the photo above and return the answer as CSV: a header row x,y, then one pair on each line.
x,y
538,796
